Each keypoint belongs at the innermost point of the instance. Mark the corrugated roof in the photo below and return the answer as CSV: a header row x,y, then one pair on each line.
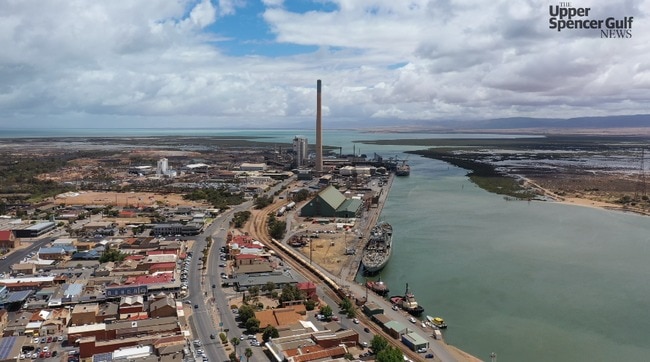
x,y
74,289
415,338
41,226
19,296
351,205
6,346
332,196
53,250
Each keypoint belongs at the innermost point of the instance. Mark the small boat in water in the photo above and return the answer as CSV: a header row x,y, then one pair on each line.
x,y
437,322
377,286
408,303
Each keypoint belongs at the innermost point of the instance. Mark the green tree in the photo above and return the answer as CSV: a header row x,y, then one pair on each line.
x,y
351,313
269,287
235,342
270,332
301,195
390,354
252,325
254,291
326,311
263,201
290,293
233,357
310,304
246,312
111,255
248,353
378,343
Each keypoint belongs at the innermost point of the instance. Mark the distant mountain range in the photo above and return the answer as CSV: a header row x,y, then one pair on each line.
x,y
632,121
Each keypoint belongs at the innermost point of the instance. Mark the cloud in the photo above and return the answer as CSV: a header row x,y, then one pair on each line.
x,y
379,60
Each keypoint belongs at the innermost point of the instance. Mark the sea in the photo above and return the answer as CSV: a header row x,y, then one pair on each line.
x,y
527,281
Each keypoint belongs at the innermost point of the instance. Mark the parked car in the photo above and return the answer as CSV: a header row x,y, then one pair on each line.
x,y
212,336
429,355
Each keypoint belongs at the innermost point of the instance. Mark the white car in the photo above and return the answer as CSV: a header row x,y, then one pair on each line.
x,y
356,321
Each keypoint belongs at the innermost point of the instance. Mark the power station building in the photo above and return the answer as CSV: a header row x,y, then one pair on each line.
x,y
300,149
330,202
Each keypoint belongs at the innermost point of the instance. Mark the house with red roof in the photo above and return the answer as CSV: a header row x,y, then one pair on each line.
x,y
8,240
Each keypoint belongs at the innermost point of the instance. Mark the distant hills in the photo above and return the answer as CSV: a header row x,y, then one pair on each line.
x,y
631,121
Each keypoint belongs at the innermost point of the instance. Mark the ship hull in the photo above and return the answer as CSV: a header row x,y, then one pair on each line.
x,y
377,251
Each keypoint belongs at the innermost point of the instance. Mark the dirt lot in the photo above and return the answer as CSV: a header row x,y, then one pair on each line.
x,y
135,199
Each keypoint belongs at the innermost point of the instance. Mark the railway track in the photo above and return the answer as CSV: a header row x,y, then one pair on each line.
x,y
259,231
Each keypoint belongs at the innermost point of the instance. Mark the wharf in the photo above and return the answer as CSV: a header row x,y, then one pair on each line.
x,y
346,274
368,221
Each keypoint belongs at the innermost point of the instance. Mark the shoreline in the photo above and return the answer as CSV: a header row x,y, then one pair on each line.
x,y
580,201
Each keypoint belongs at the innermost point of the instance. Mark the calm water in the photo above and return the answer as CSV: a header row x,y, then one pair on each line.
x,y
530,281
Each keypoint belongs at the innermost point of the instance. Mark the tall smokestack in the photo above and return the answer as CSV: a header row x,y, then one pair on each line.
x,y
319,131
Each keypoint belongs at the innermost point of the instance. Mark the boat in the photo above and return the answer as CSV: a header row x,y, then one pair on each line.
x,y
408,303
403,169
377,251
437,322
377,286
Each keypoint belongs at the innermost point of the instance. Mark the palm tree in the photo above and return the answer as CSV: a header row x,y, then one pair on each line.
x,y
235,342
248,353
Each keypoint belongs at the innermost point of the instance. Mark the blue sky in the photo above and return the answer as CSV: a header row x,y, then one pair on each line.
x,y
251,63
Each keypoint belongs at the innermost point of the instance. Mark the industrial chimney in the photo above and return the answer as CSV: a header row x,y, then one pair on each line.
x,y
319,131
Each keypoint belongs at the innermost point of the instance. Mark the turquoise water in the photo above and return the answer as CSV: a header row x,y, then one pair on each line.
x,y
530,281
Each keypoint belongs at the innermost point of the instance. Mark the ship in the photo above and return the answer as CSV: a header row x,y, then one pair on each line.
x,y
408,303
437,322
377,251
377,286
403,169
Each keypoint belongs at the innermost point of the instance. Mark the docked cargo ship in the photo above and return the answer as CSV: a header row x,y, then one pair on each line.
x,y
403,169
408,303
377,251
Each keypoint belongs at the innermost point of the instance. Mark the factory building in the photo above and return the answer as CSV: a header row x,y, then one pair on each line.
x,y
330,202
300,149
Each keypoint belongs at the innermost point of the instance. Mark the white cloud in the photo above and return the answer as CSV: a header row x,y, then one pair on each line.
x,y
409,60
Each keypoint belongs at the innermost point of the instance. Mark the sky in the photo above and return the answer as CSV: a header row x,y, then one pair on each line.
x,y
254,63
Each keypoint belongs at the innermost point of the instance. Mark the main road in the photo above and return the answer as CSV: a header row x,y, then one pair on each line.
x,y
207,298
